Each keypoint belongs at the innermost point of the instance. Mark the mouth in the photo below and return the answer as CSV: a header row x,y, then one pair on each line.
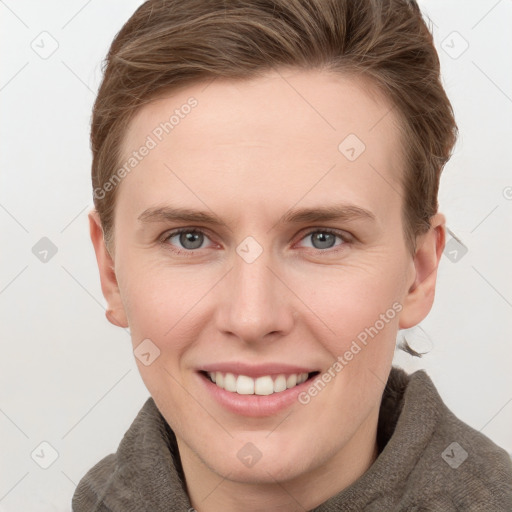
x,y
264,385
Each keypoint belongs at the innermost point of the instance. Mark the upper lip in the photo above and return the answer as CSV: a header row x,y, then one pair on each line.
x,y
255,370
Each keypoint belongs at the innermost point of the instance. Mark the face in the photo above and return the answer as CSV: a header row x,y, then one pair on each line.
x,y
259,243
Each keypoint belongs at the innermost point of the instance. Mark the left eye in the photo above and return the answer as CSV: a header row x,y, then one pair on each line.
x,y
323,239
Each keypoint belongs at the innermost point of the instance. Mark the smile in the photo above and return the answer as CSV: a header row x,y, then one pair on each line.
x,y
264,385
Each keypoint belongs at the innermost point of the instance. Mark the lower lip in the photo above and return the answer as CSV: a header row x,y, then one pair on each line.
x,y
254,405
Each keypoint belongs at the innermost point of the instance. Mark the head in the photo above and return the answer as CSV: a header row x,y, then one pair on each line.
x,y
299,146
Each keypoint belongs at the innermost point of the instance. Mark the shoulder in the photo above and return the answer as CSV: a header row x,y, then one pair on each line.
x,y
143,474
461,468
93,487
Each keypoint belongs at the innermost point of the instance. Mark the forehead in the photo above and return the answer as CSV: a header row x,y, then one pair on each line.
x,y
272,137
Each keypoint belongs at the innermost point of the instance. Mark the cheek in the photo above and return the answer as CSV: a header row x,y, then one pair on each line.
x,y
348,301
359,310
171,307
363,310
156,297
163,306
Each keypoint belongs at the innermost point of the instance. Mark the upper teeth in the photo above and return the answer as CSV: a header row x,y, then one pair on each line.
x,y
244,385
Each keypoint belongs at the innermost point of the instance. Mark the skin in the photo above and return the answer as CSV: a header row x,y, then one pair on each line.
x,y
249,152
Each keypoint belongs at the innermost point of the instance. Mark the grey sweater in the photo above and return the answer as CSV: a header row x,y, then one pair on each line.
x,y
429,460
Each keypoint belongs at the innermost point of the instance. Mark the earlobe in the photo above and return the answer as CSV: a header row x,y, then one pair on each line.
x,y
110,316
114,313
420,296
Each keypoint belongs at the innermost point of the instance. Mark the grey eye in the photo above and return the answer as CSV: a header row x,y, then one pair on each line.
x,y
188,239
322,239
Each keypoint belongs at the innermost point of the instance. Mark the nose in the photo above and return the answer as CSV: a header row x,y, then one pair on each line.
x,y
255,305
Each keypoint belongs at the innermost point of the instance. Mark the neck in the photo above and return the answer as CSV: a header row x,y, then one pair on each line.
x,y
210,492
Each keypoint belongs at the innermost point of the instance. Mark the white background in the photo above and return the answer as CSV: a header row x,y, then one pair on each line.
x,y
68,377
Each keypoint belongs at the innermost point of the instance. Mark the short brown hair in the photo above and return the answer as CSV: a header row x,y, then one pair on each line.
x,y
173,43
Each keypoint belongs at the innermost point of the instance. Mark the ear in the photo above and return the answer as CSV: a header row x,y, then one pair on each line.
x,y
420,297
115,310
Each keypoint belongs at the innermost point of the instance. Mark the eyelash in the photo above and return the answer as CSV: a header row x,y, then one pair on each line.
x,y
190,252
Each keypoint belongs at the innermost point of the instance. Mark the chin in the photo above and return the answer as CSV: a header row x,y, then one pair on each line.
x,y
263,472
259,461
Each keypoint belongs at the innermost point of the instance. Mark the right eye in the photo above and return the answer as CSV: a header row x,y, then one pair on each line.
x,y
189,239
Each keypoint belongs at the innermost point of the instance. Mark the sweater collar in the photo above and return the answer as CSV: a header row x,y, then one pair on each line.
x,y
148,463
410,410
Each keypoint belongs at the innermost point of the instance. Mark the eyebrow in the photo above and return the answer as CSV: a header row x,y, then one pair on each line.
x,y
341,212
